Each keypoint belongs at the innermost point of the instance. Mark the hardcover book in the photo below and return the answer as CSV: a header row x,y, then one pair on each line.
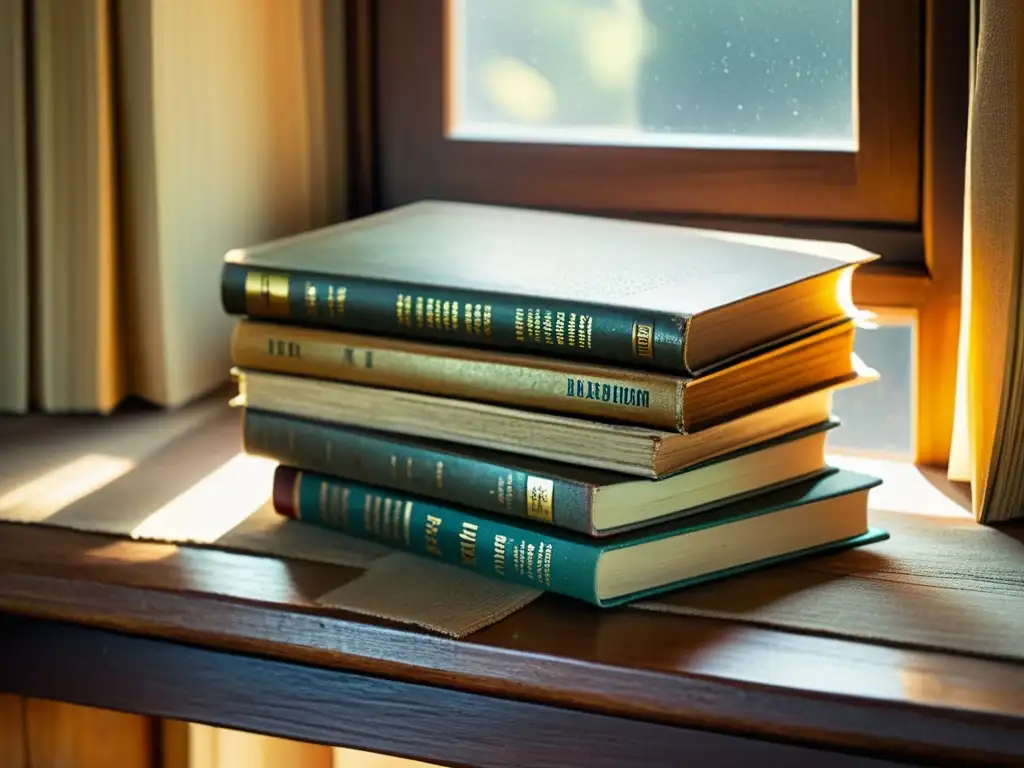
x,y
825,513
635,294
646,398
630,450
588,501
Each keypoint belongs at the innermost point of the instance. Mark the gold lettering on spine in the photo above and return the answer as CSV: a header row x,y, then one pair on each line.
x,y
419,311
467,544
572,329
439,475
406,519
560,328
446,315
388,528
432,529
311,300
487,319
584,332
499,554
643,338
266,295
367,505
430,313
520,324
540,498
336,300
402,304
548,327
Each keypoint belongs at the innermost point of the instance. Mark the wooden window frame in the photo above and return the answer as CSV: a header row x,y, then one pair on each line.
x,y
919,274
879,182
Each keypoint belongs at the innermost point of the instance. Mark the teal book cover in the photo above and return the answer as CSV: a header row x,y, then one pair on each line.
x,y
556,494
555,560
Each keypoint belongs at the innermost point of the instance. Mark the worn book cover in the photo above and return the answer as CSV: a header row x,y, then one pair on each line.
x,y
637,294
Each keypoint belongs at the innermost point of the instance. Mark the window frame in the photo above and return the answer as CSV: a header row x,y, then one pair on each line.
x,y
880,182
920,271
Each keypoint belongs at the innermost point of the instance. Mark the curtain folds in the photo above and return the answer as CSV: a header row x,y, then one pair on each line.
x,y
989,419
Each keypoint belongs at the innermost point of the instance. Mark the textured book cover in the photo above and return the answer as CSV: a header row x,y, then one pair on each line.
x,y
554,560
636,294
559,494
645,398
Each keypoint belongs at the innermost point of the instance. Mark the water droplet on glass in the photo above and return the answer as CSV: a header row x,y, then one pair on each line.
x,y
728,43
751,54
739,107
796,113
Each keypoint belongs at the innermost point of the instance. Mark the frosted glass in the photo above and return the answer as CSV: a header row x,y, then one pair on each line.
x,y
761,74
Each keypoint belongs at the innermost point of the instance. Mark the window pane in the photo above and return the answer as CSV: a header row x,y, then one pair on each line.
x,y
878,417
750,74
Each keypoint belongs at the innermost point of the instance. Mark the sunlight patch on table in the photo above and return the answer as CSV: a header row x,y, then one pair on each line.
x,y
49,493
131,552
904,488
214,505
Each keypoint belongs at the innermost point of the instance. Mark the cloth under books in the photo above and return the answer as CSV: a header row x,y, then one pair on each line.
x,y
941,581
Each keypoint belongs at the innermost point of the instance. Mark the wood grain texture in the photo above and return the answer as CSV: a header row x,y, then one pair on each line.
x,y
315,704
12,731
879,182
947,67
63,734
695,673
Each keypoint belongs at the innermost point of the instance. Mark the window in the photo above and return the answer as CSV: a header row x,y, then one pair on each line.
x,y
702,74
831,119
533,102
879,419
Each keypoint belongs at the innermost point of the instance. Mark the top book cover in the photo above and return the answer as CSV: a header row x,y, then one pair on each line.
x,y
626,293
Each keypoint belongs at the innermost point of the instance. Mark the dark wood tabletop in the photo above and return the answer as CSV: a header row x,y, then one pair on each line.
x,y
236,640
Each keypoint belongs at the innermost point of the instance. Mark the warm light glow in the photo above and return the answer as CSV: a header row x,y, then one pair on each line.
x,y
904,488
51,492
520,90
131,552
612,43
214,505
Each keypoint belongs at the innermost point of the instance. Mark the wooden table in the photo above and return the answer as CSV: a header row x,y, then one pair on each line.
x,y
235,640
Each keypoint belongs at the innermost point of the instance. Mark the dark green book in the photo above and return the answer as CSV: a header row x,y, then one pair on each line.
x,y
589,501
822,514
635,294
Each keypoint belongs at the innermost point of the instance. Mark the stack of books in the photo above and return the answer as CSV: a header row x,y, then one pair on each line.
x,y
599,408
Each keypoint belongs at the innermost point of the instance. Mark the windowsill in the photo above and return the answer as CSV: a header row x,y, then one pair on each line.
x,y
908,488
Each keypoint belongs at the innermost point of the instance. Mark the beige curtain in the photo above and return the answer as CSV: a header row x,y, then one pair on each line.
x,y
144,140
989,422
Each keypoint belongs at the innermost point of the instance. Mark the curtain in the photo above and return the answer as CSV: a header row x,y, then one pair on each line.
x,y
989,418
146,139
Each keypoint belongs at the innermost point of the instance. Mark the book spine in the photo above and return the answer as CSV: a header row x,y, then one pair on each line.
x,y
571,330
376,459
490,547
631,397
